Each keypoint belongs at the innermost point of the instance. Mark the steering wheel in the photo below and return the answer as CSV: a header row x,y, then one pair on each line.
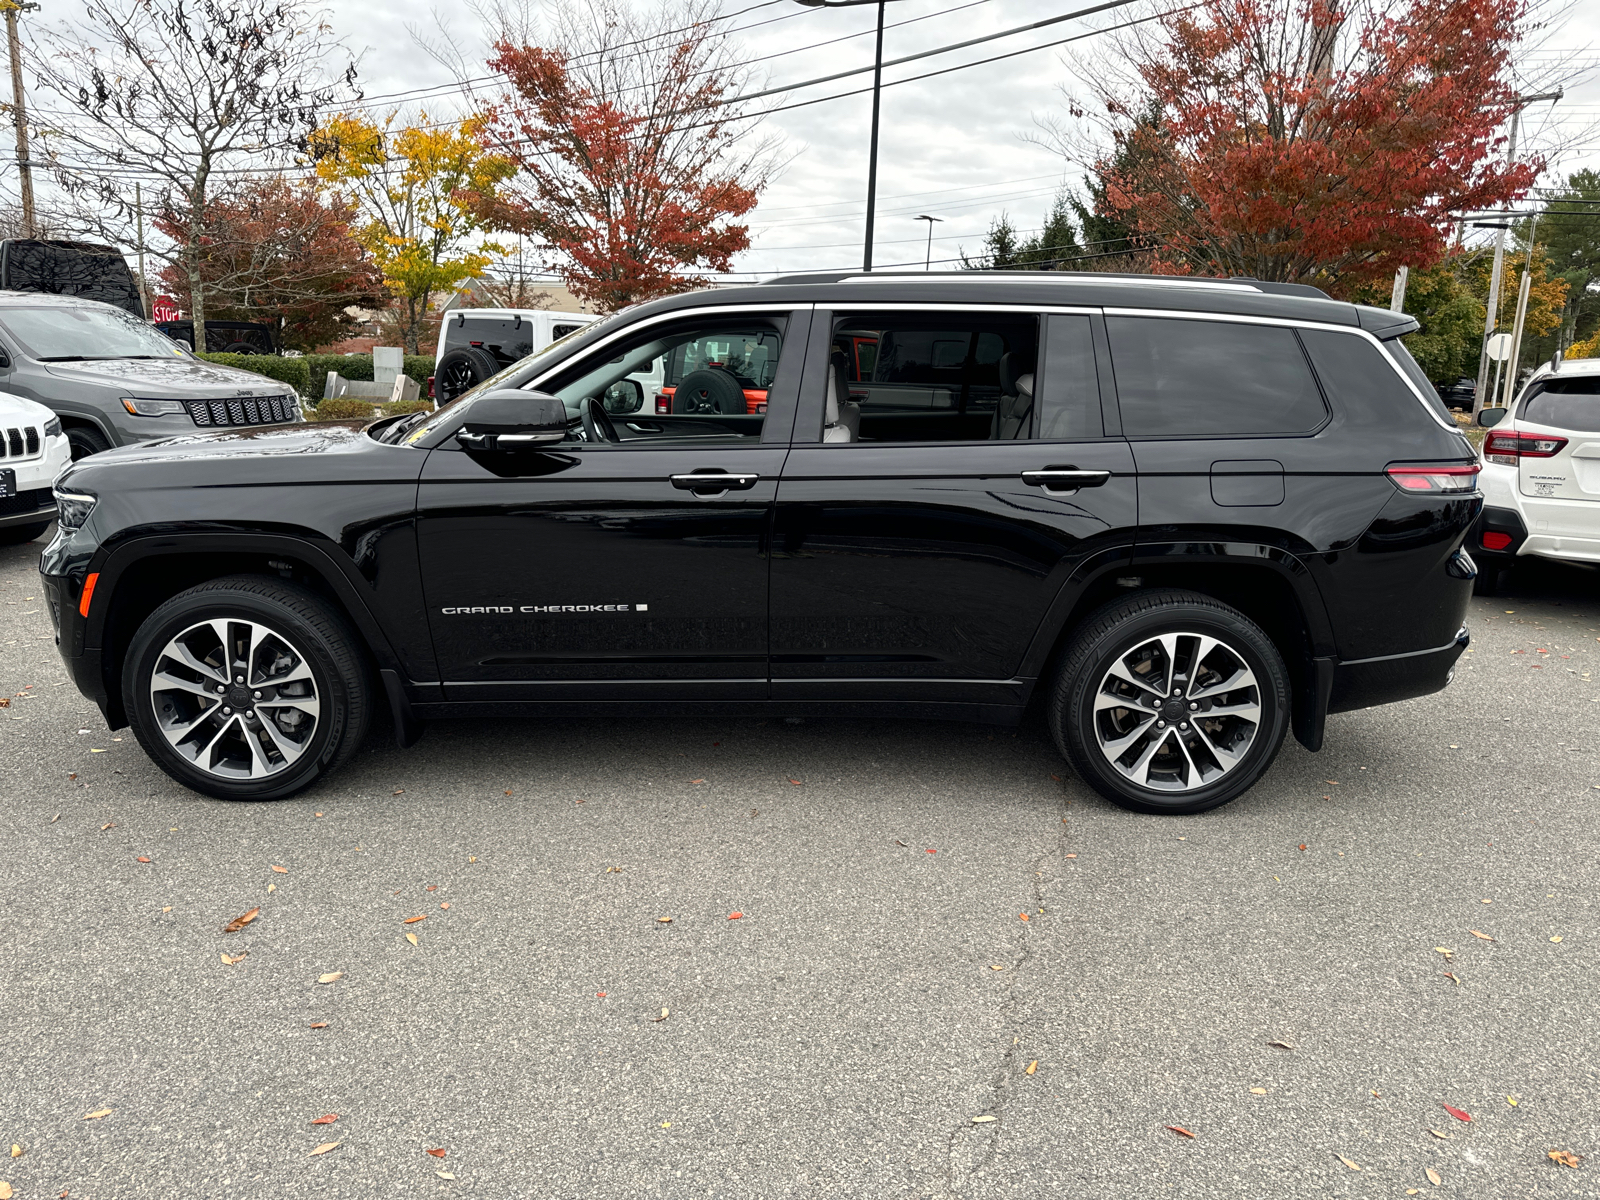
x,y
597,423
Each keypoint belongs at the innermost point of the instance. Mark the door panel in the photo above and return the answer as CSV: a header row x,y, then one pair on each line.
x,y
923,571
584,572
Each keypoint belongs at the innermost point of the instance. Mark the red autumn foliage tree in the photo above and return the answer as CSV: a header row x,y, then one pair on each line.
x,y
1313,141
631,165
271,249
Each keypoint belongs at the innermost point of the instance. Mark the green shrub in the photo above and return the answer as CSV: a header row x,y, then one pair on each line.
x,y
358,367
407,406
343,408
285,370
419,367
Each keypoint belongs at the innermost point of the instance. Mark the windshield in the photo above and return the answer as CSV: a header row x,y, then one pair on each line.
x,y
74,334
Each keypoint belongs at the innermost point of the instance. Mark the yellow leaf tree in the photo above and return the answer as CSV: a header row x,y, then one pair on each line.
x,y
406,178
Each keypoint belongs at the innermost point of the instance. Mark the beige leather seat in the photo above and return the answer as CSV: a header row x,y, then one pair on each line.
x,y
1016,401
842,422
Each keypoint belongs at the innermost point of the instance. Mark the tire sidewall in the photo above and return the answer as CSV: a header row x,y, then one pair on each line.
x,y
187,610
1076,726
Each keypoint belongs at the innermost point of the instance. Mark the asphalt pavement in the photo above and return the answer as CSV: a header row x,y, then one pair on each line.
x,y
902,960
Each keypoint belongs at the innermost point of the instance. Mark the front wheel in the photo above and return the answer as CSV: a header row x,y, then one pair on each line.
x,y
246,688
1170,702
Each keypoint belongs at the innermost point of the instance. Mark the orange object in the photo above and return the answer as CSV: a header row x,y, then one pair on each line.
x,y
735,916
88,593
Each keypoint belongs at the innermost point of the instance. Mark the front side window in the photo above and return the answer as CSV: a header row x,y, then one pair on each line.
x,y
1201,378
937,377
59,334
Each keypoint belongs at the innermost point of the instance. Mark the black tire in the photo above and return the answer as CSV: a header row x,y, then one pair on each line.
x,y
15,535
311,629
241,348
461,370
712,390
1117,631
85,441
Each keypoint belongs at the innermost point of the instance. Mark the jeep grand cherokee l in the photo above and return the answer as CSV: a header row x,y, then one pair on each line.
x,y
1183,515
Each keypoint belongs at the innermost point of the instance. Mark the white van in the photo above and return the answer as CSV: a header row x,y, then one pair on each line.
x,y
475,343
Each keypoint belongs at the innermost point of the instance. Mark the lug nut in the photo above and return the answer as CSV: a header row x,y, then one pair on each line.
x,y
251,714
240,679
1177,691
1192,704
227,712
1161,724
221,688
258,696
1183,724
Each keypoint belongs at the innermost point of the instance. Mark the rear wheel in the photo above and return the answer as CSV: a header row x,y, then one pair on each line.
x,y
246,688
1170,702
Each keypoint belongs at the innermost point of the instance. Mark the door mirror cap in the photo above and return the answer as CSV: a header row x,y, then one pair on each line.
x,y
513,420
1490,417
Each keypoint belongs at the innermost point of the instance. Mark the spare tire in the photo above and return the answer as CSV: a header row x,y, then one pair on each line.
x,y
712,390
241,348
463,369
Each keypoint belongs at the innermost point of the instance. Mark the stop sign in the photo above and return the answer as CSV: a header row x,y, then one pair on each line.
x,y
164,309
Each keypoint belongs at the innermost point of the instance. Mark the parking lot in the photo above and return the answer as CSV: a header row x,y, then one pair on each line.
x,y
902,959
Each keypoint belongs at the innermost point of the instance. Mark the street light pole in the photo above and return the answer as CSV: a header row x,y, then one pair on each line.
x,y
927,264
877,89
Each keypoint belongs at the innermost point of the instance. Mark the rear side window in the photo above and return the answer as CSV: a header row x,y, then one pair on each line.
x,y
1190,378
1362,382
1565,404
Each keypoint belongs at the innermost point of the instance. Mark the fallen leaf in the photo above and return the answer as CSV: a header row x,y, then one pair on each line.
x,y
1557,938
95,1116
474,858
330,976
1335,782
107,825
1475,933
271,887
239,923
237,958
1375,1094
280,870
1302,845
16,1150
168,908
412,938
96,750
734,916
898,842
1451,976
796,782
508,791
1457,1113
434,887
983,1120
6,1192
414,920
1032,1067
444,1175
1443,1137
1258,1091
437,1153
329,1119
54,819
1281,1045
663,920
319,814
445,904
1565,1157
1433,1177
933,852
143,858
398,792
1413,1191
600,995
702,781
1351,1163
1071,856
996,967
1180,1131
324,1148
319,1024
662,1017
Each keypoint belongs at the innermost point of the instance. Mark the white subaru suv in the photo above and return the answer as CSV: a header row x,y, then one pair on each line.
x,y
1541,473
33,450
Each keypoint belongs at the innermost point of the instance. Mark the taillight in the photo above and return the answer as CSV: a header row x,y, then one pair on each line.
x,y
1435,478
663,403
430,387
1506,448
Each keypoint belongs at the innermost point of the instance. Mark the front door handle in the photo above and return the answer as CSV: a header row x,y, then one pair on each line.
x,y
711,480
1058,480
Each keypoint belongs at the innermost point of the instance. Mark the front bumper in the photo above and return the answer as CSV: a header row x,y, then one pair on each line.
x,y
28,507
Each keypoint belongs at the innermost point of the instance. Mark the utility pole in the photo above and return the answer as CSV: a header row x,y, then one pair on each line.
x,y
1495,275
928,261
19,112
1397,295
138,219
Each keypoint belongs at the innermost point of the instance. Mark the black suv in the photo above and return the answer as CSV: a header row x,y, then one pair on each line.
x,y
1184,515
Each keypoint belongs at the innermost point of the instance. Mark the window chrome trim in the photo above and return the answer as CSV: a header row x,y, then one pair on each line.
x,y
1293,323
1082,280
838,310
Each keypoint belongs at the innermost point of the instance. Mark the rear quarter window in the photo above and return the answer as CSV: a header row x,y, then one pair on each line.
x,y
1564,404
1363,384
1202,378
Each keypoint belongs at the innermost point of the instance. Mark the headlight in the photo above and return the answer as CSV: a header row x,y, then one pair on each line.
x,y
52,427
154,408
73,508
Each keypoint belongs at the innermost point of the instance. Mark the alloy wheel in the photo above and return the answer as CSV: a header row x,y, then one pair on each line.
x,y
1177,712
236,698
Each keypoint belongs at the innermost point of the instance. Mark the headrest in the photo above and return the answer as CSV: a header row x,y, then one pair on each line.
x,y
838,385
1008,374
1025,385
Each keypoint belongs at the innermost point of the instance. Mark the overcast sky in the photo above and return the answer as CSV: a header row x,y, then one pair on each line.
x,y
954,147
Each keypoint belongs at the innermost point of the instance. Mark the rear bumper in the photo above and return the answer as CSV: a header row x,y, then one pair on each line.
x,y
1509,522
1363,683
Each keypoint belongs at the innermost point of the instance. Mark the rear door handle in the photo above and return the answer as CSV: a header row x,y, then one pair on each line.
x,y
721,481
1064,479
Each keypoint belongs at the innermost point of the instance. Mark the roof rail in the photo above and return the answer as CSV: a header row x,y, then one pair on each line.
x,y
1238,282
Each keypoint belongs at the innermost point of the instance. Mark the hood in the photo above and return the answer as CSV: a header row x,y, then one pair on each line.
x,y
168,378
269,441
14,410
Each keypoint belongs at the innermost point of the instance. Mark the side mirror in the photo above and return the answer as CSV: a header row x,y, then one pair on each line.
x,y
623,397
1490,417
513,420
5,361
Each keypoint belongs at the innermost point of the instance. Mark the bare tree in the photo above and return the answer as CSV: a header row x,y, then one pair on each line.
x,y
183,98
